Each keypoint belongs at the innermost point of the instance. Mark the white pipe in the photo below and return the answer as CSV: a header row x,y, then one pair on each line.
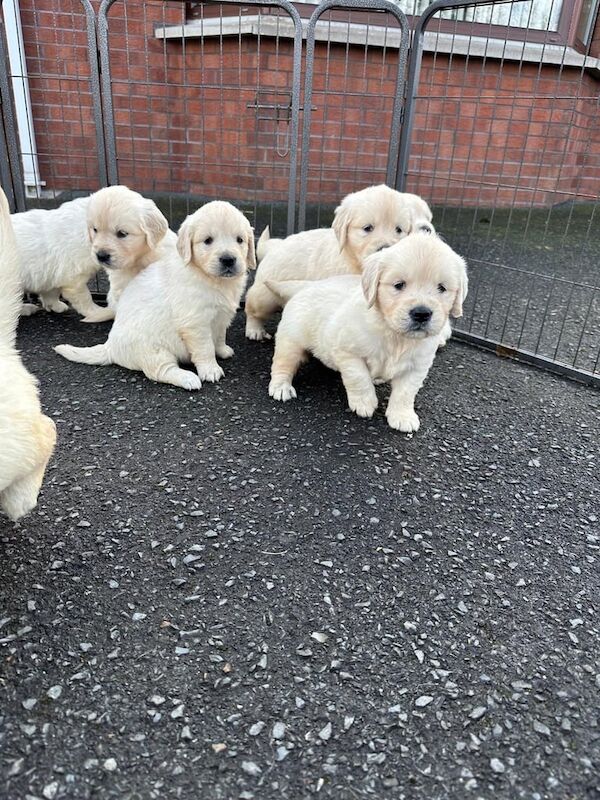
x,y
20,84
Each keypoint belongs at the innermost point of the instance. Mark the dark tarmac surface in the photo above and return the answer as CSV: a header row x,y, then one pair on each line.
x,y
220,596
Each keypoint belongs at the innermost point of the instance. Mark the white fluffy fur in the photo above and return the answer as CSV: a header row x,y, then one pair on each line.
x,y
363,326
179,308
59,248
27,437
364,222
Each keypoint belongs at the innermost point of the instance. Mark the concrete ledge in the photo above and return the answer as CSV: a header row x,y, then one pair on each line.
x,y
375,36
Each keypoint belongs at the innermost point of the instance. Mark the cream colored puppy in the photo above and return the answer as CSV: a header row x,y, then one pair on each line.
x,y
179,308
364,222
63,248
382,328
27,437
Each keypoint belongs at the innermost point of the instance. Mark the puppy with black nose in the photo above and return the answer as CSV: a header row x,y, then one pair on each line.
x,y
179,308
61,249
383,327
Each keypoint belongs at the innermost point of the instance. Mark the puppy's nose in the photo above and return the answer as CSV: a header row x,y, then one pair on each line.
x,y
103,257
227,261
420,314
383,246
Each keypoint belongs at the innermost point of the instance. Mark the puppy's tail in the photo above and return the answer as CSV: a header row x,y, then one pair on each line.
x,y
10,280
265,244
286,289
99,354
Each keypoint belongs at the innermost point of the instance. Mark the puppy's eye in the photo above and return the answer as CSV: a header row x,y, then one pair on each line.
x,y
209,240
398,229
95,230
441,288
425,229
368,228
122,234
240,240
400,285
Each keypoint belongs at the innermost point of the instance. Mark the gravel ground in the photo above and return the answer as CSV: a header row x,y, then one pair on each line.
x,y
224,597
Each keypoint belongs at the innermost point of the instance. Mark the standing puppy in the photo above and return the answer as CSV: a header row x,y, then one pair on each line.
x,y
27,437
63,248
179,308
382,328
365,222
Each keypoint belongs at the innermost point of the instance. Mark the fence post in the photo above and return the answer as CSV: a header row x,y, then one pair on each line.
x,y
11,168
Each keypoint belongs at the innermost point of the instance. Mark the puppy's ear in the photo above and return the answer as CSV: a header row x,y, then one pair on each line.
x,y
184,240
422,217
341,223
154,225
371,276
463,288
251,255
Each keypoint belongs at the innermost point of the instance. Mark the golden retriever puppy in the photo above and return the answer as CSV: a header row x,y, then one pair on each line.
x,y
179,308
61,249
383,327
27,437
364,222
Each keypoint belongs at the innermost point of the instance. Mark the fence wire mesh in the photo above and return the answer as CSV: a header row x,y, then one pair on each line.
x,y
56,98
506,147
188,102
204,107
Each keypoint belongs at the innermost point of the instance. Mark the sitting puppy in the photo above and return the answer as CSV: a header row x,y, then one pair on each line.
x,y
179,308
364,222
27,437
383,327
61,249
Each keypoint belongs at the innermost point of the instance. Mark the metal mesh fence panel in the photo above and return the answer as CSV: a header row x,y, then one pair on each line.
x,y
203,107
505,145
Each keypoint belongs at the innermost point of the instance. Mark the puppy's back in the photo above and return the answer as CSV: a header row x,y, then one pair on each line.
x,y
51,241
309,255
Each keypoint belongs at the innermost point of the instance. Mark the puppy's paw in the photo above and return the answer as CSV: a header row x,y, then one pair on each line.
x,y
57,306
101,315
29,309
406,420
225,351
256,332
210,372
282,391
363,406
190,381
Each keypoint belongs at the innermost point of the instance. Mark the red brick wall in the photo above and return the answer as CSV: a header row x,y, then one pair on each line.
x,y
486,133
503,134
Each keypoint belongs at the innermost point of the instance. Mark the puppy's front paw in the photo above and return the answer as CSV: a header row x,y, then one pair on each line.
x,y
210,372
225,351
282,391
101,315
57,306
363,406
256,332
406,420
190,381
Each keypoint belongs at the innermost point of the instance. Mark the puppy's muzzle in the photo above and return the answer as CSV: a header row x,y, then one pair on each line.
x,y
228,265
419,318
103,257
